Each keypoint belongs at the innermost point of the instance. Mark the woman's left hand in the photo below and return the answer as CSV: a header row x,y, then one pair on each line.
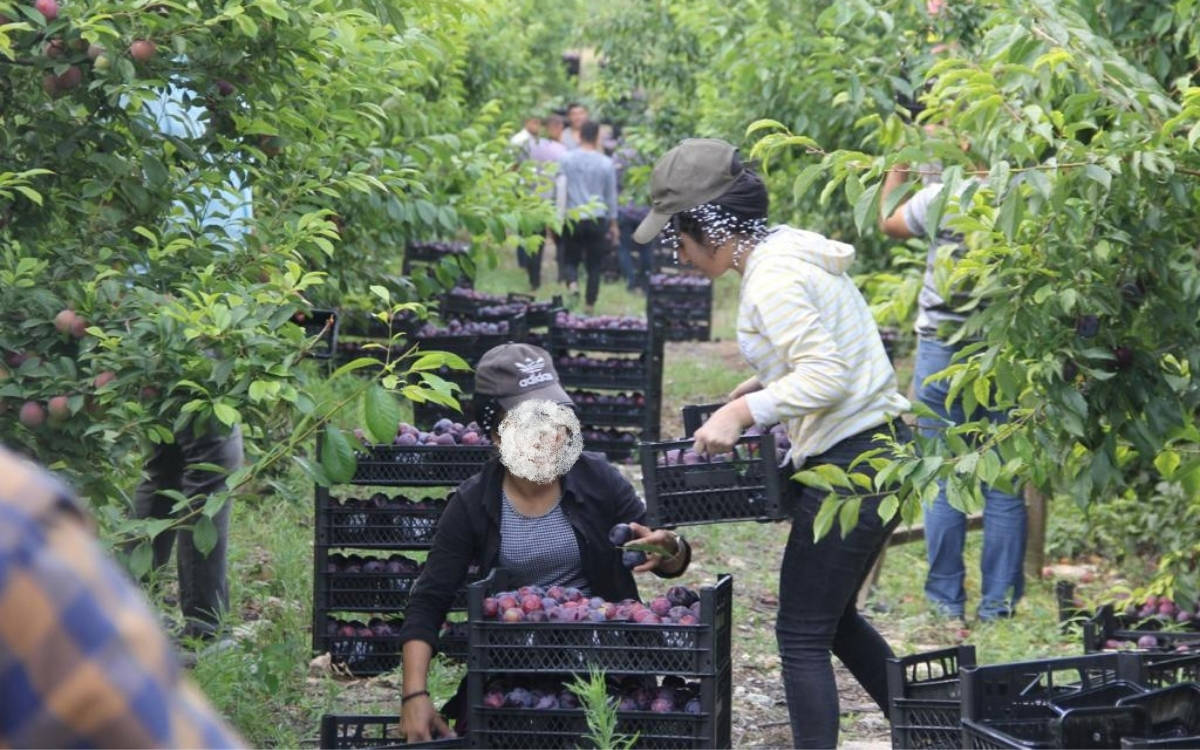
x,y
723,428
659,538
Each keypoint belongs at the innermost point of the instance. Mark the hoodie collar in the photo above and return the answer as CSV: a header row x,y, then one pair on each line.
x,y
831,256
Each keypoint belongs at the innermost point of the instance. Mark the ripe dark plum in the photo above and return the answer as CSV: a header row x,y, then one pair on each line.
x,y
536,615
556,592
1087,326
677,612
1147,641
513,614
682,596
546,702
631,558
531,602
692,707
660,606
549,602
568,700
493,699
620,534
572,594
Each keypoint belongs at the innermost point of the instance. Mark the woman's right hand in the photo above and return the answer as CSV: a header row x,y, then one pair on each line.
x,y
749,385
421,722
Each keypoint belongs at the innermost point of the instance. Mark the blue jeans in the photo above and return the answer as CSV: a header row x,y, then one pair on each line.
x,y
1001,566
818,613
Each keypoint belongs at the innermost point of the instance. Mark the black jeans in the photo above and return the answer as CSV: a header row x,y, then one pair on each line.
x,y
203,587
586,241
818,614
531,261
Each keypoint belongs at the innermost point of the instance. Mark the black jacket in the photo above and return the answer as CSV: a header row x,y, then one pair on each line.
x,y
595,498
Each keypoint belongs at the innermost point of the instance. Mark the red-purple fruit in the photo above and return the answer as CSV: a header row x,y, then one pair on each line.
x,y
64,320
490,608
620,534
94,51
142,50
660,606
32,414
513,614
1147,641
225,88
531,602
1124,357
48,8
59,408
54,48
104,379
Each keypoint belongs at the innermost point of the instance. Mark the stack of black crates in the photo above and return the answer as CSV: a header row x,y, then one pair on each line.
x,y
361,584
614,376
679,305
538,650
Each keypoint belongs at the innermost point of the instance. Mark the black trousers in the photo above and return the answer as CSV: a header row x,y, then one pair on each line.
x,y
203,587
587,241
818,614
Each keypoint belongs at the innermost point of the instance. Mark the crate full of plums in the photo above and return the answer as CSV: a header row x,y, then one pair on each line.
x,y
1156,624
448,454
530,630
611,333
378,521
680,306
371,583
746,483
372,646
471,339
541,711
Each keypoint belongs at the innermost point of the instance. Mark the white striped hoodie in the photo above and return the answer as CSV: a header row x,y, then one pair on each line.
x,y
807,331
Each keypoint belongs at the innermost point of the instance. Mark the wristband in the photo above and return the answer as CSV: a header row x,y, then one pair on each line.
x,y
417,694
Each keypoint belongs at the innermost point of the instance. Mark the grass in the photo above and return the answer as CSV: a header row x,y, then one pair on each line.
x,y
264,686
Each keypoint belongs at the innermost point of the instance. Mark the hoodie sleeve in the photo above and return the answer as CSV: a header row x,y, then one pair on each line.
x,y
787,315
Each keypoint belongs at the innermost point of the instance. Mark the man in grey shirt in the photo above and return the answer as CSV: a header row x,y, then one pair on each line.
x,y
1003,580
588,182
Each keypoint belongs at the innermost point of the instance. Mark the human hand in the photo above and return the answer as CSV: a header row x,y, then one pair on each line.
x,y
749,385
661,538
614,233
723,428
421,722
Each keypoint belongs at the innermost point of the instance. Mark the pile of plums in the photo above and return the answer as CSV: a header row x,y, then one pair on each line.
x,y
611,435
619,365
445,432
396,565
679,280
507,309
679,606
594,398
1163,609
629,693
474,295
600,322
380,501
456,327
1158,613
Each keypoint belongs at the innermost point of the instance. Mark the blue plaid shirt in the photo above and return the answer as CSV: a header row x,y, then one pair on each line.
x,y
83,662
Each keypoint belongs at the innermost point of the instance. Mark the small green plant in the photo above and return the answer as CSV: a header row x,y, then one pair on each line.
x,y
601,712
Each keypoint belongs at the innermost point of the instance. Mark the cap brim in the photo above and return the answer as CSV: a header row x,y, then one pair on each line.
x,y
650,227
550,392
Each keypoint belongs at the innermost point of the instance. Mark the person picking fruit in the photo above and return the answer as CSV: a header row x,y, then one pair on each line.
x,y
822,371
541,507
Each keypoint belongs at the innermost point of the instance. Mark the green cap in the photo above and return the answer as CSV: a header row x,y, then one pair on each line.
x,y
693,173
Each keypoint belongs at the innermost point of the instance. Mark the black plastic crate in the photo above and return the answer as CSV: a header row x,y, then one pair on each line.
x,y
601,339
354,732
1006,691
925,697
472,347
600,409
419,465
744,485
398,525
1044,727
368,656
618,447
610,373
1160,670
564,728
455,303
699,330
539,314
1099,697
1173,712
616,647
369,592
424,253
1107,625
1183,743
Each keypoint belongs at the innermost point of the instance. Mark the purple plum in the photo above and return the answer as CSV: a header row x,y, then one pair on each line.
x,y
620,534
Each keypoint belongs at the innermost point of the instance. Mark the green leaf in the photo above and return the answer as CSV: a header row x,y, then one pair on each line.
x,y
226,413
805,180
813,479
354,364
824,520
204,535
141,559
888,507
1166,463
337,456
848,515
381,413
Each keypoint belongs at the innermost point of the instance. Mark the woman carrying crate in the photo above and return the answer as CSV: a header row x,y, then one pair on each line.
x,y
541,507
821,369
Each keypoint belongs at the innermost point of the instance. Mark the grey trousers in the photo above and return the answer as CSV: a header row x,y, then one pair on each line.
x,y
203,587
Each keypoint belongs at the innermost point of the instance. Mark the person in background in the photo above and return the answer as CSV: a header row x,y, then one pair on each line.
x,y
629,214
224,217
86,663
541,508
1004,515
577,115
821,370
546,152
527,137
589,183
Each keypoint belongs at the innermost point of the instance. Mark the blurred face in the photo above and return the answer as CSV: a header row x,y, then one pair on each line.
x,y
533,125
554,129
701,257
577,117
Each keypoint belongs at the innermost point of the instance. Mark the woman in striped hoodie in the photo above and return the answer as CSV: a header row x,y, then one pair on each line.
x,y
821,369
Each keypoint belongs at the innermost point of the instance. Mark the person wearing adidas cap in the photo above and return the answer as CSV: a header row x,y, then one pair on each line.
x,y
821,370
541,507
